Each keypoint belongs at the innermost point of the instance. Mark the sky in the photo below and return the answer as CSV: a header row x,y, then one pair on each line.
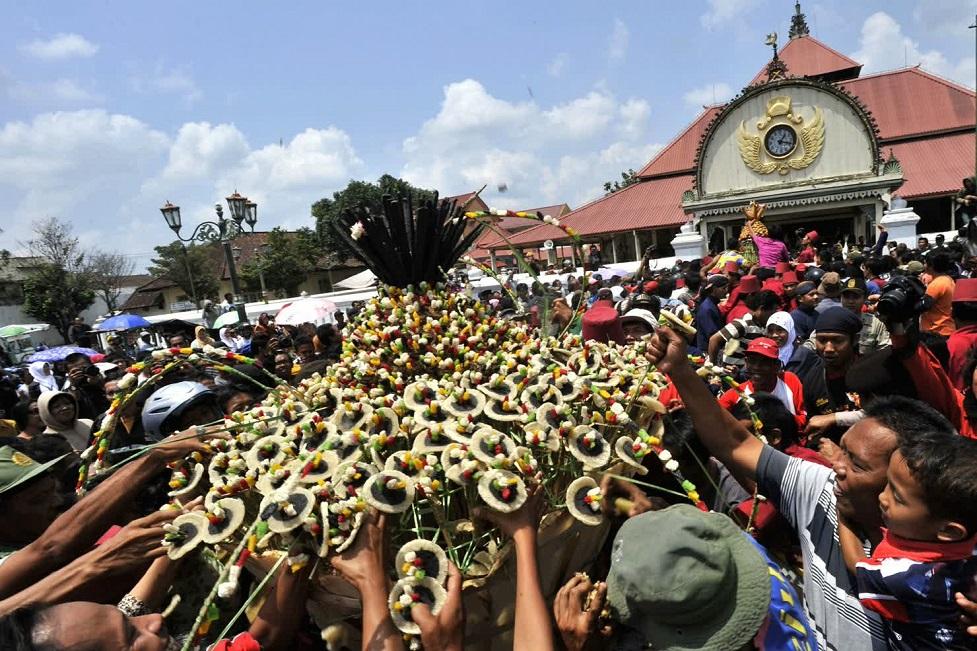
x,y
109,109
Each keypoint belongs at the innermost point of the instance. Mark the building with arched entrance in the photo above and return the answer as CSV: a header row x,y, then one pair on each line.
x,y
822,145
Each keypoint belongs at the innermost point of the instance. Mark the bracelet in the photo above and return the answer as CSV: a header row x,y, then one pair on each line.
x,y
133,606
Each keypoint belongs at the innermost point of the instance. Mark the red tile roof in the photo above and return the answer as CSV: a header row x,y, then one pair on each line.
x,y
464,201
679,155
655,203
806,56
935,166
911,102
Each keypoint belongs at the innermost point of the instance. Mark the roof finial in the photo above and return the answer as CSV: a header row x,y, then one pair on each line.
x,y
776,69
798,22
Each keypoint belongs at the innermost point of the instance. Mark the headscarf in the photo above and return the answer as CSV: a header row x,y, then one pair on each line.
x,y
785,321
227,339
46,381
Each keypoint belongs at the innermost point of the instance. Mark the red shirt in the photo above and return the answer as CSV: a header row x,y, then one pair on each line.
x,y
961,342
934,387
794,390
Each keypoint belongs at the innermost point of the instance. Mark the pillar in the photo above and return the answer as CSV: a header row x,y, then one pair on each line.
x,y
689,244
901,220
614,248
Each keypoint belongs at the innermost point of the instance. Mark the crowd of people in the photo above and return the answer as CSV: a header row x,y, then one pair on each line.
x,y
831,436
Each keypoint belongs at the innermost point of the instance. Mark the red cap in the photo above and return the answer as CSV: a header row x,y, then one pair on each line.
x,y
783,267
749,284
790,277
965,290
601,323
731,268
764,346
812,236
801,268
680,283
651,287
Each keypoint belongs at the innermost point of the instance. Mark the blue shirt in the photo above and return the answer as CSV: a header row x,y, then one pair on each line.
x,y
708,321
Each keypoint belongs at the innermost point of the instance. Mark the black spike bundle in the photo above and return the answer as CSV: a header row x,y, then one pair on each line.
x,y
403,245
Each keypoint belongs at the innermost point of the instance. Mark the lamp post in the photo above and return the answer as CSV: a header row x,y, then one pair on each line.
x,y
224,231
262,252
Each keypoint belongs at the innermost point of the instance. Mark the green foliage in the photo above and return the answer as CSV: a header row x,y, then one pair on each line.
x,y
326,210
286,261
201,260
627,178
56,296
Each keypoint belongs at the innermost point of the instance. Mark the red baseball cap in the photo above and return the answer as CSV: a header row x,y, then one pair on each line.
x,y
783,267
801,268
790,277
764,346
651,287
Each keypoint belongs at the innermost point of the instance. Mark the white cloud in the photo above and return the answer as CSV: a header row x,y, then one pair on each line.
x,y
206,162
60,46
708,94
884,46
617,48
724,12
108,174
556,66
168,81
946,18
544,154
58,92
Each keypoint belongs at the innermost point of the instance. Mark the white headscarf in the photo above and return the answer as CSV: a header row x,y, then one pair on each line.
x,y
46,381
785,321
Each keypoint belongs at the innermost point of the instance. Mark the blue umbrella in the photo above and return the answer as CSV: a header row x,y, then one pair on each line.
x,y
123,322
58,353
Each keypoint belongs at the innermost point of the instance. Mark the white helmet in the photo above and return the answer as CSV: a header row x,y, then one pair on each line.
x,y
170,401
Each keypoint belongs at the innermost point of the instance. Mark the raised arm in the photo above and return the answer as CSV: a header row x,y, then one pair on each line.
x,y
283,611
77,530
722,434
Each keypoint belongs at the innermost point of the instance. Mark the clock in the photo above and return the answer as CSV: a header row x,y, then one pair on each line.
x,y
780,141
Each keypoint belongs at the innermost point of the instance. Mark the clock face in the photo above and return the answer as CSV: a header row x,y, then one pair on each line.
x,y
780,141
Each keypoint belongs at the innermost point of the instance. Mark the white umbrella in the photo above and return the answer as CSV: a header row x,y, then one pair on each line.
x,y
307,310
226,319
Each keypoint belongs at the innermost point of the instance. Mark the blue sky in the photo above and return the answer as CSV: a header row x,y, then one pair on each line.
x,y
109,108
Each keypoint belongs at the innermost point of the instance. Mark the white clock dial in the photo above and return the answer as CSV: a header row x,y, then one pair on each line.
x,y
780,141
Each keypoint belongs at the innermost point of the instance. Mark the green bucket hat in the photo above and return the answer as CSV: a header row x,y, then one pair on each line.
x,y
17,468
688,580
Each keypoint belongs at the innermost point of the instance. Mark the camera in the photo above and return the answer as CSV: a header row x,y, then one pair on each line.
x,y
903,298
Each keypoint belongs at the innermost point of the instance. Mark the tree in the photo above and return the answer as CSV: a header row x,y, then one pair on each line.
x,y
288,259
173,261
59,288
55,296
326,210
107,273
627,178
54,240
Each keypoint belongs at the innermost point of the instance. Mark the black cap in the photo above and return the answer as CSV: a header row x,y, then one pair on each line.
x,y
838,319
854,285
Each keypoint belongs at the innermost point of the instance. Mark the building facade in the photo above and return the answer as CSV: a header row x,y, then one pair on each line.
x,y
905,133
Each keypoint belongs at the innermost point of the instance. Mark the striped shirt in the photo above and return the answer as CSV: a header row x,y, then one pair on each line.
x,y
738,334
803,492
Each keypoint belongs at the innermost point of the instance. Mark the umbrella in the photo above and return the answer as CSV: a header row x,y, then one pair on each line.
x,y
123,322
58,353
226,319
306,310
12,331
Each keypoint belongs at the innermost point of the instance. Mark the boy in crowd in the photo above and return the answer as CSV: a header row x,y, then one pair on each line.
x,y
925,557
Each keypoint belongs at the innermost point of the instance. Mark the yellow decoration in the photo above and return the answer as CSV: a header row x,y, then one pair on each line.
x,y
780,119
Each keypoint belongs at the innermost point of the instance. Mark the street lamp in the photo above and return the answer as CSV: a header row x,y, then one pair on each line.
x,y
224,231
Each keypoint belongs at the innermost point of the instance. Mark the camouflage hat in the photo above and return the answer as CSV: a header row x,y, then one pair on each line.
x,y
17,468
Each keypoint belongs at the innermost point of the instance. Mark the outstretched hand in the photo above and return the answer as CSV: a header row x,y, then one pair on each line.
x,y
525,518
668,350
577,612
362,562
137,543
613,489
446,630
177,446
